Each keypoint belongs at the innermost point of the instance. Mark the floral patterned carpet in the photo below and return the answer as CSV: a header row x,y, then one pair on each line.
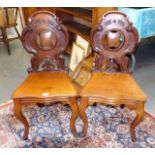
x,y
49,127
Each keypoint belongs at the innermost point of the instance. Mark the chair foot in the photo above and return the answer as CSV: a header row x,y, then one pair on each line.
x,y
8,48
133,136
82,134
139,117
6,40
74,107
82,109
21,117
25,137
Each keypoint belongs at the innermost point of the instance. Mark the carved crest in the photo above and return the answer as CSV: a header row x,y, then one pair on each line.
x,y
46,38
115,40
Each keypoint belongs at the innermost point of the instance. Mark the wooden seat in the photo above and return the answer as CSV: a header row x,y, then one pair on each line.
x,y
48,81
114,41
35,85
114,86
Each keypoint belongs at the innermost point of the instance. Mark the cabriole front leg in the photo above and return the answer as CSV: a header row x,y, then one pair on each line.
x,y
82,109
74,107
139,117
21,117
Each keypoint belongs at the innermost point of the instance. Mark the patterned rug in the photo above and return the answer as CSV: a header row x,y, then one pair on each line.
x,y
49,127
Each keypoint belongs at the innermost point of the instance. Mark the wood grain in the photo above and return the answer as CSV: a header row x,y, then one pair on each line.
x,y
115,87
47,82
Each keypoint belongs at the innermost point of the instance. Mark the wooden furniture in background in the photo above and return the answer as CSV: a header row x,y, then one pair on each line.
x,y
114,40
46,38
82,73
8,19
78,20
28,11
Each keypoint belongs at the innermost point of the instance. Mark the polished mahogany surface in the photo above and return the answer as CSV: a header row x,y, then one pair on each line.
x,y
114,41
48,81
123,87
46,38
46,84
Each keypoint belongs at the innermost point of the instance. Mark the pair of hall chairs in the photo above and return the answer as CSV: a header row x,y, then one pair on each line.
x,y
113,41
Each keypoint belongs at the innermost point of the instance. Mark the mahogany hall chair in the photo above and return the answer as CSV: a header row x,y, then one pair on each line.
x,y
48,81
114,40
8,19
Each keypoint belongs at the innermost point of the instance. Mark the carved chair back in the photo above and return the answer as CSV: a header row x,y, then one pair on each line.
x,y
114,40
46,38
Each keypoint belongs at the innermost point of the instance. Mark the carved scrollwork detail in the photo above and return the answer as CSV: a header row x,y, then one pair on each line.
x,y
48,65
59,27
45,64
114,36
99,28
46,38
34,64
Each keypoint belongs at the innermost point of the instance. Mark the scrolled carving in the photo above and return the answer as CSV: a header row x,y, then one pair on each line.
x,y
59,28
99,28
49,65
46,38
113,39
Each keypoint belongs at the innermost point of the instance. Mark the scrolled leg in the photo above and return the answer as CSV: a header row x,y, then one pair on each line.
x,y
139,117
21,117
82,109
73,105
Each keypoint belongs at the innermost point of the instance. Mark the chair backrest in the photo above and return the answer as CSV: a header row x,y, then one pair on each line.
x,y
114,40
8,16
46,38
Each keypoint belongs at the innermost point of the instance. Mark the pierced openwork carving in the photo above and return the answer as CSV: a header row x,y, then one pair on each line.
x,y
46,38
114,40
